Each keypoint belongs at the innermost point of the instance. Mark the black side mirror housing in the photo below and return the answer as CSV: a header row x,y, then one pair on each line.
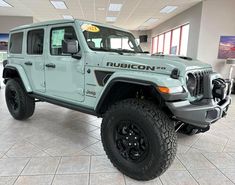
x,y
146,52
4,63
70,47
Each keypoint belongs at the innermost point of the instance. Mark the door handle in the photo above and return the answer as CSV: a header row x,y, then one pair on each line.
x,y
28,63
51,65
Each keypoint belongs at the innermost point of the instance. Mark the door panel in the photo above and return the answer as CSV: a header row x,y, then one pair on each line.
x,y
34,60
64,74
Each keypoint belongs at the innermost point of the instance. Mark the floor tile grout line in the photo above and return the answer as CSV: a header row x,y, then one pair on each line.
x,y
29,159
160,180
42,150
89,146
124,177
93,137
196,140
219,169
190,146
56,170
229,153
188,171
10,149
89,175
225,145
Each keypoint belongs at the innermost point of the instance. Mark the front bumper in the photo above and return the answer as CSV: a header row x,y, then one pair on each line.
x,y
206,111
199,115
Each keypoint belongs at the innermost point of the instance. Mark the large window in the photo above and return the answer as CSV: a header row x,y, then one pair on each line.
x,y
173,42
58,35
35,42
16,42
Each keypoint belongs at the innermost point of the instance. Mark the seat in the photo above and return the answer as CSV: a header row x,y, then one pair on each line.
x,y
91,44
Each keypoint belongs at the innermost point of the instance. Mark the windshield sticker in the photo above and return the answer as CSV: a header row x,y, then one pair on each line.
x,y
90,28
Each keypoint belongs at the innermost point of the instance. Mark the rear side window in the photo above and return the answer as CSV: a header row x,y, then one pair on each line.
x,y
16,42
35,42
58,35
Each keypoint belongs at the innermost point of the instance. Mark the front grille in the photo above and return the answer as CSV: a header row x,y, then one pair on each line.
x,y
200,76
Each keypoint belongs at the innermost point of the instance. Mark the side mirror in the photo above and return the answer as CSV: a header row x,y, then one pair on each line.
x,y
4,63
70,47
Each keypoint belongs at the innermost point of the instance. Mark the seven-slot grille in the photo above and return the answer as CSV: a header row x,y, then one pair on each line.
x,y
199,75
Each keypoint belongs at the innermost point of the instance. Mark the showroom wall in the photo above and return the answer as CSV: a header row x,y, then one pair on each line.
x,y
217,20
10,22
145,46
192,16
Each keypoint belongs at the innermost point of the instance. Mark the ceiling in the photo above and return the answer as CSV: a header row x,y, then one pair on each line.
x,y
133,15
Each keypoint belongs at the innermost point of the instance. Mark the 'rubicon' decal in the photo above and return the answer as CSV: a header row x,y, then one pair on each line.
x,y
134,66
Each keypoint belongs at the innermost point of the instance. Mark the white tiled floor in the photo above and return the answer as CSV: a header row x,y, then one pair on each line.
x,y
62,147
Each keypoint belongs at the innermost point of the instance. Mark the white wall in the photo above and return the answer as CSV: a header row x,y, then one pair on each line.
x,y
192,16
217,19
9,22
145,46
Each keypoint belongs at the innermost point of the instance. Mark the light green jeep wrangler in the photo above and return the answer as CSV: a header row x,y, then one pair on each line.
x,y
101,70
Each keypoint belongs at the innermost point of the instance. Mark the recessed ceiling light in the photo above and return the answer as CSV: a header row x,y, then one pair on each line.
x,y
151,21
168,9
111,19
115,7
59,4
4,4
67,16
101,9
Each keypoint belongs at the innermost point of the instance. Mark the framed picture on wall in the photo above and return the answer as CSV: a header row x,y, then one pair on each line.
x,y
226,47
4,41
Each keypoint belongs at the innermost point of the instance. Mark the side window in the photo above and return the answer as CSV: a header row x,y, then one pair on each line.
x,y
35,42
16,42
58,35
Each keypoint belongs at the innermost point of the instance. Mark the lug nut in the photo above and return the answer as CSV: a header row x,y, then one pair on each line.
x,y
129,144
127,137
135,137
135,144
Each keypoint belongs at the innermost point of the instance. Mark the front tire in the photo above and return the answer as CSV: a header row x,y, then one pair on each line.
x,y
139,139
19,104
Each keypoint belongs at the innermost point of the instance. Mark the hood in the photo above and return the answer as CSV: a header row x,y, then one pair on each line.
x,y
158,64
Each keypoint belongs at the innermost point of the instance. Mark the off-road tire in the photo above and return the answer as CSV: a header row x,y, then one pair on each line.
x,y
25,105
160,132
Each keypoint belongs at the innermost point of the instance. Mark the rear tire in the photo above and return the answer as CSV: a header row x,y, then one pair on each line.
x,y
139,139
19,104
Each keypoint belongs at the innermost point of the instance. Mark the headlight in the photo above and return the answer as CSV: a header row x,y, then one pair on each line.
x,y
191,82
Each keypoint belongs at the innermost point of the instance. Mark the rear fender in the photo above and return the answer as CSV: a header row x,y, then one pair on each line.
x,y
9,72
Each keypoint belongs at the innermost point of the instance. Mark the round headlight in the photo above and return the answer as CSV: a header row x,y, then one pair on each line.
x,y
191,82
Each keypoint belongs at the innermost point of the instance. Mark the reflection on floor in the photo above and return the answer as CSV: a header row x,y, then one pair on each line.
x,y
62,147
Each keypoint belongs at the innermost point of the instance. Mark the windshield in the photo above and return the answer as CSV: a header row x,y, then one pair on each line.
x,y
101,38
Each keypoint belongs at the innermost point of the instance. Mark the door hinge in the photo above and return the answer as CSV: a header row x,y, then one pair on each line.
x,y
43,84
81,91
81,70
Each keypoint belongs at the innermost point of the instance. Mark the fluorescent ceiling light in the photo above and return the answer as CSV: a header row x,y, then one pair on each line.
x,y
59,4
111,19
168,9
151,21
4,4
115,7
101,9
67,16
